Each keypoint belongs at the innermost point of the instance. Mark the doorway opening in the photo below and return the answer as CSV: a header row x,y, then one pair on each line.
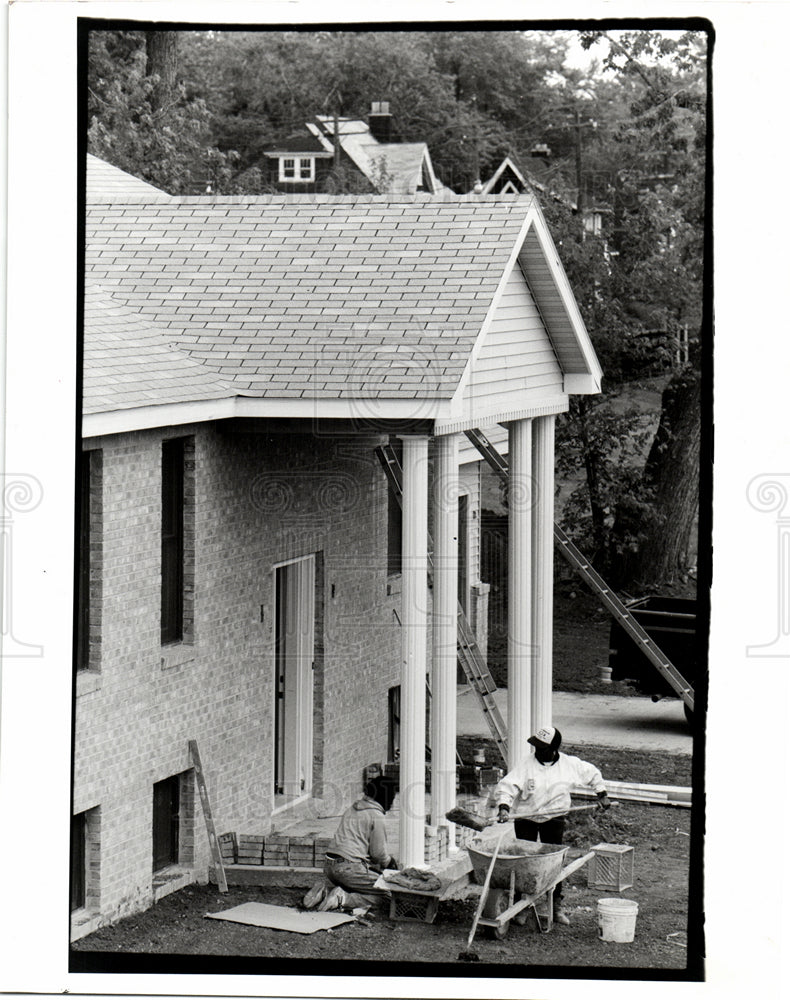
x,y
295,609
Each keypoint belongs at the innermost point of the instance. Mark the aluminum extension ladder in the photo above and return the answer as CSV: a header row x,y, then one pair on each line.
x,y
470,655
598,586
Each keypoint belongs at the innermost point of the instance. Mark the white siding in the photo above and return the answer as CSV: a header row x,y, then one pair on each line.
x,y
516,365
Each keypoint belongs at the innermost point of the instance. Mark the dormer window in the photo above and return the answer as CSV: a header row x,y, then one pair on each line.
x,y
297,169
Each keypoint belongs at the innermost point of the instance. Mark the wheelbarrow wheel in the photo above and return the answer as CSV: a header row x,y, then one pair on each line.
x,y
496,903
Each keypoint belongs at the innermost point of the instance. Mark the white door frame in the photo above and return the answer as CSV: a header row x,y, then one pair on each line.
x,y
293,751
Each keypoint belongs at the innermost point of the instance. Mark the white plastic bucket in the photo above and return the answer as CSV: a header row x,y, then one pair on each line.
x,y
617,919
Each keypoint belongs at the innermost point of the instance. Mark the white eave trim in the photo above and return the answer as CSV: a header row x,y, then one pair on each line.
x,y
204,411
555,404
507,162
581,385
562,285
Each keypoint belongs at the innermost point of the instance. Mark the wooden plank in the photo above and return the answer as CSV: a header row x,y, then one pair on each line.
x,y
207,816
242,875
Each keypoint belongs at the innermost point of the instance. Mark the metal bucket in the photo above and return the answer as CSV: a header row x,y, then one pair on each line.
x,y
536,865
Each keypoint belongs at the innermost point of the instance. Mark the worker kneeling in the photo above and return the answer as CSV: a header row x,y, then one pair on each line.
x,y
540,785
357,854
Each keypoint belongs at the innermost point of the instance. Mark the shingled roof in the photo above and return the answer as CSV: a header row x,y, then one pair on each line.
x,y
105,182
326,301
329,297
404,166
129,361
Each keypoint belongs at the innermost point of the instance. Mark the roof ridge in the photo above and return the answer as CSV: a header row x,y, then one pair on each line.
x,y
445,196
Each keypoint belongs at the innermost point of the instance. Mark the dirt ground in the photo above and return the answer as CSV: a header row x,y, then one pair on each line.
x,y
175,935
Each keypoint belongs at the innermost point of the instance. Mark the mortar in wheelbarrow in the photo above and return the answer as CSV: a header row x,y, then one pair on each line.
x,y
536,865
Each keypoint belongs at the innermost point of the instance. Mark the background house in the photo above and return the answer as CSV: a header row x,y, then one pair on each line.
x,y
367,151
247,579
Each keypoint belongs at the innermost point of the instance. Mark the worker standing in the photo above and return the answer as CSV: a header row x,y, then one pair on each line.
x,y
539,790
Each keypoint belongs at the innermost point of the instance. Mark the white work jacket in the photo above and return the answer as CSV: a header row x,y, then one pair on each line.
x,y
543,791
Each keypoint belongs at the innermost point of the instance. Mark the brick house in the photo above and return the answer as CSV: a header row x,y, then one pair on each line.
x,y
247,580
365,149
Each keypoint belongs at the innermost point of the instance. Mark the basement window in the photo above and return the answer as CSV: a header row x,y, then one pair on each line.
x,y
173,821
297,169
85,860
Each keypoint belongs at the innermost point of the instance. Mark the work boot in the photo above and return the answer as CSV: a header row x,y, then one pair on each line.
x,y
560,916
315,895
334,901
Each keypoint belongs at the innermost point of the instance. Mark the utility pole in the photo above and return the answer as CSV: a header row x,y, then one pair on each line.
x,y
579,179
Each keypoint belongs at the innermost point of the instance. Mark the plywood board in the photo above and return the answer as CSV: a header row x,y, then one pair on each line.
x,y
282,918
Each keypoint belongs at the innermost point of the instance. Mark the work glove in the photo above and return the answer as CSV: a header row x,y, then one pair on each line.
x,y
603,801
504,814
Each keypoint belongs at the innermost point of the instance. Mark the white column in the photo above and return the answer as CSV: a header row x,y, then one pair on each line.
x,y
542,569
519,575
445,630
414,632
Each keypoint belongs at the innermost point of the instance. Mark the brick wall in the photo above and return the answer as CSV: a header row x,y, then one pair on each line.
x,y
258,501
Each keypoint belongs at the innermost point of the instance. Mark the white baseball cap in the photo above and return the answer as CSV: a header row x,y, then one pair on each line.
x,y
546,736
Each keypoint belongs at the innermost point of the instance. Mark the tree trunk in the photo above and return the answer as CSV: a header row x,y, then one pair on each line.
x,y
161,61
672,469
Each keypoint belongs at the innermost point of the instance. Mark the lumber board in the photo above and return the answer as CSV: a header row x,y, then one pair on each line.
x,y
207,816
241,875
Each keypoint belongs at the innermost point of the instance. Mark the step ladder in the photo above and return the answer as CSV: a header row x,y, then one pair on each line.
x,y
594,581
470,656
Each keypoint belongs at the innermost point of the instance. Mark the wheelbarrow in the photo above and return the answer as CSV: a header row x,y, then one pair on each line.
x,y
511,868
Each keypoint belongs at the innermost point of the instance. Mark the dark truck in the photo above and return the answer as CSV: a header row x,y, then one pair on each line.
x,y
671,622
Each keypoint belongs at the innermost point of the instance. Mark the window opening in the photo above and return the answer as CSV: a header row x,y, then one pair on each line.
x,y
172,540
297,168
393,724
463,552
89,579
394,521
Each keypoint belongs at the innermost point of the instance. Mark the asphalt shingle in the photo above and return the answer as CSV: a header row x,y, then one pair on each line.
x,y
306,295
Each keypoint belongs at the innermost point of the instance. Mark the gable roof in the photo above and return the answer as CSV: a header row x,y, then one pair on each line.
x,y
405,163
301,143
105,182
520,180
321,303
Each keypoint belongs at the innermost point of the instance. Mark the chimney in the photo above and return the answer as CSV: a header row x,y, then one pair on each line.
x,y
380,121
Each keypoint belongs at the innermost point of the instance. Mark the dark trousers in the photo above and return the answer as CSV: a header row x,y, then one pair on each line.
x,y
550,832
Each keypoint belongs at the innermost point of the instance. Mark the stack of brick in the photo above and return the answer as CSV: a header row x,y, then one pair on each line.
x,y
275,850
436,844
464,836
250,849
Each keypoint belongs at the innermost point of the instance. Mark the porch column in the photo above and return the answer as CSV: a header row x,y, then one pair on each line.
x,y
542,569
445,628
414,632
519,577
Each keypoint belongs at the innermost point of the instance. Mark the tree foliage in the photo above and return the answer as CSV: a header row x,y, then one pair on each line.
x,y
195,111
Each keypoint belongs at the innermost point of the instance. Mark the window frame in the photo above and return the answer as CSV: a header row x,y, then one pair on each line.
x,y
299,163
